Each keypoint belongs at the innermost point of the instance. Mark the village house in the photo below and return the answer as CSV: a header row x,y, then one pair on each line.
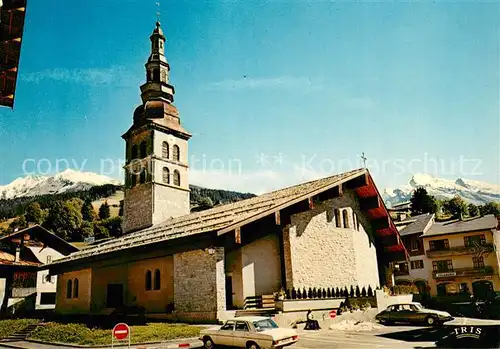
x,y
21,254
416,270
463,255
332,232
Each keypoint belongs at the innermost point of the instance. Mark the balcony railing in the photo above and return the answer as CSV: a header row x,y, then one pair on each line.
x,y
401,272
460,250
442,274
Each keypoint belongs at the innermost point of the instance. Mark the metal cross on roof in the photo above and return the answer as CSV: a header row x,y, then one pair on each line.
x,y
363,157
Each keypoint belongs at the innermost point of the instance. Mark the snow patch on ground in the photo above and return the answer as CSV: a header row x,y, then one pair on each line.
x,y
356,326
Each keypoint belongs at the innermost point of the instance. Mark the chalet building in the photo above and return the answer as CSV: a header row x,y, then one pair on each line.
x,y
175,264
414,271
463,256
21,253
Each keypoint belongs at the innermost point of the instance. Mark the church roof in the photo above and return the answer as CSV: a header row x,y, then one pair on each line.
x,y
12,14
232,216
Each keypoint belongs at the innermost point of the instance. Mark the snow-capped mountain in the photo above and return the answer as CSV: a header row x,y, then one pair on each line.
x,y
68,180
475,192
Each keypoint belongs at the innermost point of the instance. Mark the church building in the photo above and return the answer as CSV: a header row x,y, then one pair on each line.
x,y
332,232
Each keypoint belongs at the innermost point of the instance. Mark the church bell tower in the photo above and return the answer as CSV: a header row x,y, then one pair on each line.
x,y
156,169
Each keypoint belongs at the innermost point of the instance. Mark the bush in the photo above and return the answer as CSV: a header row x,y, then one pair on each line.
x,y
81,334
9,327
404,290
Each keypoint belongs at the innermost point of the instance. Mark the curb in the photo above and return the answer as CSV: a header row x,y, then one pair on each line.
x,y
188,343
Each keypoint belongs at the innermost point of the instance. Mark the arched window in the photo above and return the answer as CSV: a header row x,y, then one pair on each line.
x,y
338,221
177,178
358,225
75,288
69,288
354,220
165,150
156,75
147,76
345,215
143,149
166,175
177,153
143,176
148,280
133,180
133,153
157,279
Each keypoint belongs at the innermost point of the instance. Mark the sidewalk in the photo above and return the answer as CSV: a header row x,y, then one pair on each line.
x,y
186,343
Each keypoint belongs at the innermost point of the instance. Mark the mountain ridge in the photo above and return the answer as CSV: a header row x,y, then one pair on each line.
x,y
472,191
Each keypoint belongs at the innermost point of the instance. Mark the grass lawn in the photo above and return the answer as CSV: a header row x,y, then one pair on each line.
x,y
9,327
80,334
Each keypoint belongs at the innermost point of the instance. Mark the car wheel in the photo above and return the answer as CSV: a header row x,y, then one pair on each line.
x,y
431,321
208,343
252,345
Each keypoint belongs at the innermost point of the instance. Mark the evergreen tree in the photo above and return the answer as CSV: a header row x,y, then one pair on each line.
x,y
104,211
100,232
421,202
34,213
88,213
473,210
490,208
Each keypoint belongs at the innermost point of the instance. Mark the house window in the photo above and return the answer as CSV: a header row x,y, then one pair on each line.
x,y
133,154
475,240
165,150
346,218
133,180
148,280
69,288
75,288
414,244
478,262
157,282
439,245
166,175
143,149
338,221
177,153
47,298
442,266
177,178
417,264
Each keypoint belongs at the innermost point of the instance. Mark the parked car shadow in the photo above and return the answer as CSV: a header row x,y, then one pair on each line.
x,y
420,334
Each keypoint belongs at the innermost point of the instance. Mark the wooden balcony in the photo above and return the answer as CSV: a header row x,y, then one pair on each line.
x,y
460,250
403,272
444,274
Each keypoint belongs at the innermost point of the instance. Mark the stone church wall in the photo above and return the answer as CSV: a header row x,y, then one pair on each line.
x,y
319,254
199,284
169,202
138,207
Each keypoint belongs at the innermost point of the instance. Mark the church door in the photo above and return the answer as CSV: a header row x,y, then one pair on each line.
x,y
114,296
229,292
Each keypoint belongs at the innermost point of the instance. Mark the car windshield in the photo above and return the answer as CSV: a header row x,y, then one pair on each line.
x,y
263,325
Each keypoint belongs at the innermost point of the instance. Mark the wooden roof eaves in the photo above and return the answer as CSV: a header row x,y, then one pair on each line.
x,y
287,204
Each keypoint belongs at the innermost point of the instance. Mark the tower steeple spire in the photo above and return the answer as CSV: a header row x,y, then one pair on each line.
x,y
157,70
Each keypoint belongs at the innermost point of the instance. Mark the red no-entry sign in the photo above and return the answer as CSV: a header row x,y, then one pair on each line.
x,y
333,314
121,331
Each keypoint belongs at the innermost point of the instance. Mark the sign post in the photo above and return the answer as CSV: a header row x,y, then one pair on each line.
x,y
120,332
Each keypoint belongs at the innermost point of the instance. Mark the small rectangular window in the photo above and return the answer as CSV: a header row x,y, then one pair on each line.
x,y
49,259
47,298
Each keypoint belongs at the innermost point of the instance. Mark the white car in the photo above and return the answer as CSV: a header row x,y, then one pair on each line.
x,y
251,332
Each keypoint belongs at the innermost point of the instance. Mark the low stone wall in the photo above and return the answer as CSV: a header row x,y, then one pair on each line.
x,y
291,305
383,300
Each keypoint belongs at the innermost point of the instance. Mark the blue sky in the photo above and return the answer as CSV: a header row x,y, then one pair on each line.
x,y
273,92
